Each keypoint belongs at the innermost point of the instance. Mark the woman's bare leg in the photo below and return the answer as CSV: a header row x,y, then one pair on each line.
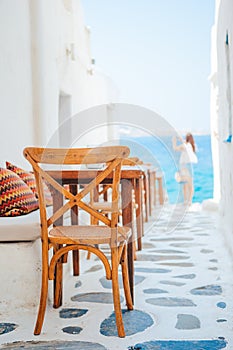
x,y
190,191
185,192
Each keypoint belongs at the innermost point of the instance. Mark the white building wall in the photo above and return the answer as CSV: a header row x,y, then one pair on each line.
x,y
214,109
15,79
221,112
46,74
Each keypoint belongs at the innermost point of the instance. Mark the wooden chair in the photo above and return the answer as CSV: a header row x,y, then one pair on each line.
x,y
135,161
87,237
104,206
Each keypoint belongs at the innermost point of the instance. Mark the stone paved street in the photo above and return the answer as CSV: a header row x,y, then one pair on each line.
x,y
183,296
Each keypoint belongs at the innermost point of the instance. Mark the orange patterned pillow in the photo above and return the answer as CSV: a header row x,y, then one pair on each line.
x,y
16,198
29,179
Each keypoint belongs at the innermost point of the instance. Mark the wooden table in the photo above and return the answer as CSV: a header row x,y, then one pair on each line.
x,y
131,179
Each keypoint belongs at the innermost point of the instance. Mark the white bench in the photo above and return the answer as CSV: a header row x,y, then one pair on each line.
x,y
24,228
20,260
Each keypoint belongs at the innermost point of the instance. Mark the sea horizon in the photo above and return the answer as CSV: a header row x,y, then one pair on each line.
x,y
159,153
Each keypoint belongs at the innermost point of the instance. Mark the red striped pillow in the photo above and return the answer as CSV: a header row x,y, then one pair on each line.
x,y
16,198
29,179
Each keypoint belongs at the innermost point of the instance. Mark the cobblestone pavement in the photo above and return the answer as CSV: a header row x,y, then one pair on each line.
x,y
183,296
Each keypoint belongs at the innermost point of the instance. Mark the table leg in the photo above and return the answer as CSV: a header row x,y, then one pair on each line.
x,y
154,187
146,196
151,189
160,184
149,194
139,218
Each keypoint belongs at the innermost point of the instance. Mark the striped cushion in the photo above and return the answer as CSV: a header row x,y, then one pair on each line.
x,y
29,179
16,198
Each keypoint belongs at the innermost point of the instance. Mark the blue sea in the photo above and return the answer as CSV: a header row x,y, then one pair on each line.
x,y
159,152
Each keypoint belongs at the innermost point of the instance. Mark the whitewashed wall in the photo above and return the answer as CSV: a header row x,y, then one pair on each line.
x,y
17,127
221,112
46,74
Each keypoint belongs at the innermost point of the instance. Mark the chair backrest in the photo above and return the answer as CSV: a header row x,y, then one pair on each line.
x,y
111,156
132,161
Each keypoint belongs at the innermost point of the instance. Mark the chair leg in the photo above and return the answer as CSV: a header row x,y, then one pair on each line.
x,y
43,301
57,282
75,254
57,301
89,253
134,251
116,295
125,278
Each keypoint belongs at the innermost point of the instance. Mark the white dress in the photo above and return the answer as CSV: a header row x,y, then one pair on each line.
x,y
187,158
187,155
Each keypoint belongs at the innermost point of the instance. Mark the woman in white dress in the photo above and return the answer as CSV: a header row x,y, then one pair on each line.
x,y
187,158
